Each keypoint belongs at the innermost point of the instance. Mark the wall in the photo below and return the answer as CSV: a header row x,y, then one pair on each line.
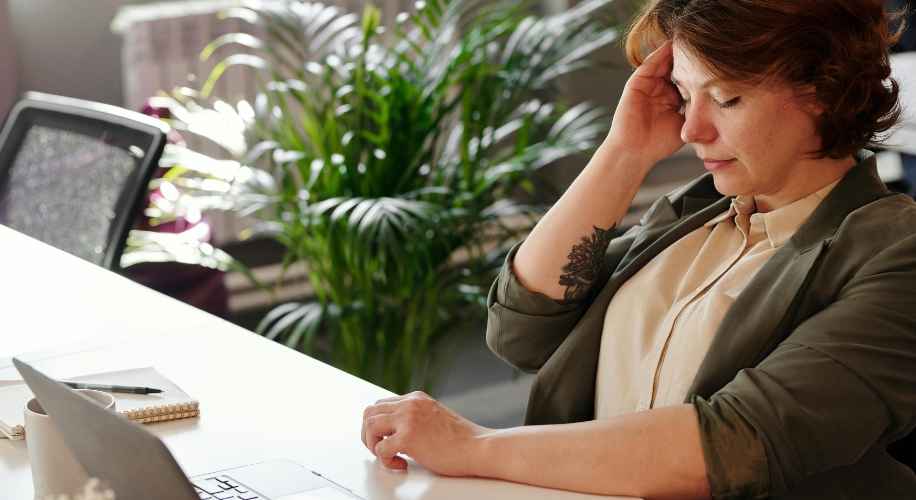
x,y
66,47
9,88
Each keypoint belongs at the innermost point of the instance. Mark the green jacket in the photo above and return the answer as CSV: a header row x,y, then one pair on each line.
x,y
812,371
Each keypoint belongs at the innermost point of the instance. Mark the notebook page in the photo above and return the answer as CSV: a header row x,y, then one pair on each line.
x,y
14,394
170,404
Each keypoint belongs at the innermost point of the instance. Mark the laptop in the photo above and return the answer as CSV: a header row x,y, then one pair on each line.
x,y
138,466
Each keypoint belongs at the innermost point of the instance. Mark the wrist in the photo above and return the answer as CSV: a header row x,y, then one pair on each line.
x,y
624,168
615,155
483,456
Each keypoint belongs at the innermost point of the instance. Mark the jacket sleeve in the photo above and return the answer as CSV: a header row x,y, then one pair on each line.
x,y
841,382
525,328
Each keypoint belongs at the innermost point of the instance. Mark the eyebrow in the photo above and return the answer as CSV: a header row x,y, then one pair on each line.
x,y
709,83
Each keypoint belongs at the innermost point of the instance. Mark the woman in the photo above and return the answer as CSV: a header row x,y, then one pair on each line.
x,y
755,335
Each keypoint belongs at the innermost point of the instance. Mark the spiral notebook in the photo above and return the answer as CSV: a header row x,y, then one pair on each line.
x,y
171,404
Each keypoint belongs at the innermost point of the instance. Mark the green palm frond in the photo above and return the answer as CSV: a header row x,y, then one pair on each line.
x,y
298,322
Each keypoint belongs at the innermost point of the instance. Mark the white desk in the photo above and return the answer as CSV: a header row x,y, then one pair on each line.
x,y
259,400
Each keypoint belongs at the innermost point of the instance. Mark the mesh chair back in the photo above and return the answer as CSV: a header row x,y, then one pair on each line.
x,y
73,173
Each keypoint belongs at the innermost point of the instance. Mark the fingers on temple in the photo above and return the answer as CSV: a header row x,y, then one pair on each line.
x,y
660,62
387,453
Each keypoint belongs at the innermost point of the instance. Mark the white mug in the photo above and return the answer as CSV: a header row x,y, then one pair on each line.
x,y
55,469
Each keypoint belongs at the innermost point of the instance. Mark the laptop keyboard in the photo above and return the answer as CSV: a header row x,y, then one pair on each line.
x,y
223,488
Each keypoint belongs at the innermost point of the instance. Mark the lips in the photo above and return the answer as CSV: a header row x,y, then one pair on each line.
x,y
713,164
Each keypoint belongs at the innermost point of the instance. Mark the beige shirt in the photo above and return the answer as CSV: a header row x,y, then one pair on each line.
x,y
660,323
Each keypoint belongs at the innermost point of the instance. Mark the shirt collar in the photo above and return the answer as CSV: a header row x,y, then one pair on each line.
x,y
740,205
779,224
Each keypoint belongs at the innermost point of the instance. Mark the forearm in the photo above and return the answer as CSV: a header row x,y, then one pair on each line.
x,y
651,454
599,198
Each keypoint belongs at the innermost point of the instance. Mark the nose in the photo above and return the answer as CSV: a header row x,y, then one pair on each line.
x,y
698,126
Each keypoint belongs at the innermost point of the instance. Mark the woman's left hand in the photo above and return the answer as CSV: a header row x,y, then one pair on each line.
x,y
420,427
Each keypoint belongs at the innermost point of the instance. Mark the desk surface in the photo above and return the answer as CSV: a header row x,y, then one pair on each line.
x,y
259,400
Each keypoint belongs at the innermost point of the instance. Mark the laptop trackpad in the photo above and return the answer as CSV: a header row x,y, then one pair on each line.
x,y
326,493
277,478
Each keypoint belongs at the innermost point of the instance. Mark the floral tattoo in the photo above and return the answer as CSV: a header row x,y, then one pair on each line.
x,y
585,262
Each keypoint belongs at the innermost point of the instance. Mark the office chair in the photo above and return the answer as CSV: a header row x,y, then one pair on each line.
x,y
73,173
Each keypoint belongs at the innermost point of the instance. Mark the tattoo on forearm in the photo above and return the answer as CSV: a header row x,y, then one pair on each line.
x,y
585,262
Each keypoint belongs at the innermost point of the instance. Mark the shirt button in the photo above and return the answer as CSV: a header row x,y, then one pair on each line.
x,y
641,407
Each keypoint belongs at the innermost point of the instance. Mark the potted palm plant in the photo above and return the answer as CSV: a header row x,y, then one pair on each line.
x,y
387,161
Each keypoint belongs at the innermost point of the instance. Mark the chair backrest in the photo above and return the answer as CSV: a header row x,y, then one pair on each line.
x,y
73,173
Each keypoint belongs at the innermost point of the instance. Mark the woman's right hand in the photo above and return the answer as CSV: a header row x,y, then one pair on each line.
x,y
647,121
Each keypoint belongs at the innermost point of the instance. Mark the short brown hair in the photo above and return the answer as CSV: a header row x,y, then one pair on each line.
x,y
839,48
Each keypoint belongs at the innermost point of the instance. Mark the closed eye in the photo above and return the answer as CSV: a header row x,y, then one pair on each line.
x,y
729,103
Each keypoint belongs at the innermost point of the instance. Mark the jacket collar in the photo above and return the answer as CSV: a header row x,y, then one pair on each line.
x,y
859,187
671,218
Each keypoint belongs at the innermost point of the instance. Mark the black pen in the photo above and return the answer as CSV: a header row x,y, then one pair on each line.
x,y
111,388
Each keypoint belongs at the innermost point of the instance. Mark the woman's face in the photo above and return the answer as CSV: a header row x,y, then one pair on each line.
x,y
753,144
